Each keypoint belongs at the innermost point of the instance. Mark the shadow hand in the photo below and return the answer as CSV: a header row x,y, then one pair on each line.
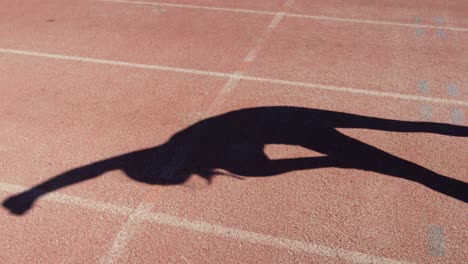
x,y
19,204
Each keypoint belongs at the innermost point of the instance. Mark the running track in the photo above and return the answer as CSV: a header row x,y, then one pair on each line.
x,y
86,80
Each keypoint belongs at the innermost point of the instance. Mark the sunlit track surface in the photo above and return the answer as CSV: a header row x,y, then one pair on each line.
x,y
198,131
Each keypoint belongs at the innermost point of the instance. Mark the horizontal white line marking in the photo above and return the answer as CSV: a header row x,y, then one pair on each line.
x,y
241,77
384,23
204,227
72,200
117,63
192,6
358,91
338,19
257,238
125,234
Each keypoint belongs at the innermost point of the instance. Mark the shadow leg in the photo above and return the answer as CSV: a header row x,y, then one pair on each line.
x,y
351,153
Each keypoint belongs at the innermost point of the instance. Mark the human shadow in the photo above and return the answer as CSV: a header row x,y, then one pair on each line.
x,y
235,141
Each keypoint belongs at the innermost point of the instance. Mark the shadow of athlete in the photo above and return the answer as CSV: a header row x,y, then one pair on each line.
x,y
235,142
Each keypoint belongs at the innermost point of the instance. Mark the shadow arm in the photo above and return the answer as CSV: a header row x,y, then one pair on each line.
x,y
22,202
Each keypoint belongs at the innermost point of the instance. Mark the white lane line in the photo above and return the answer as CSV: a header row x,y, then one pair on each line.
x,y
116,63
144,214
251,55
232,82
436,241
359,91
374,22
126,232
72,200
273,24
192,6
264,239
434,100
337,19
